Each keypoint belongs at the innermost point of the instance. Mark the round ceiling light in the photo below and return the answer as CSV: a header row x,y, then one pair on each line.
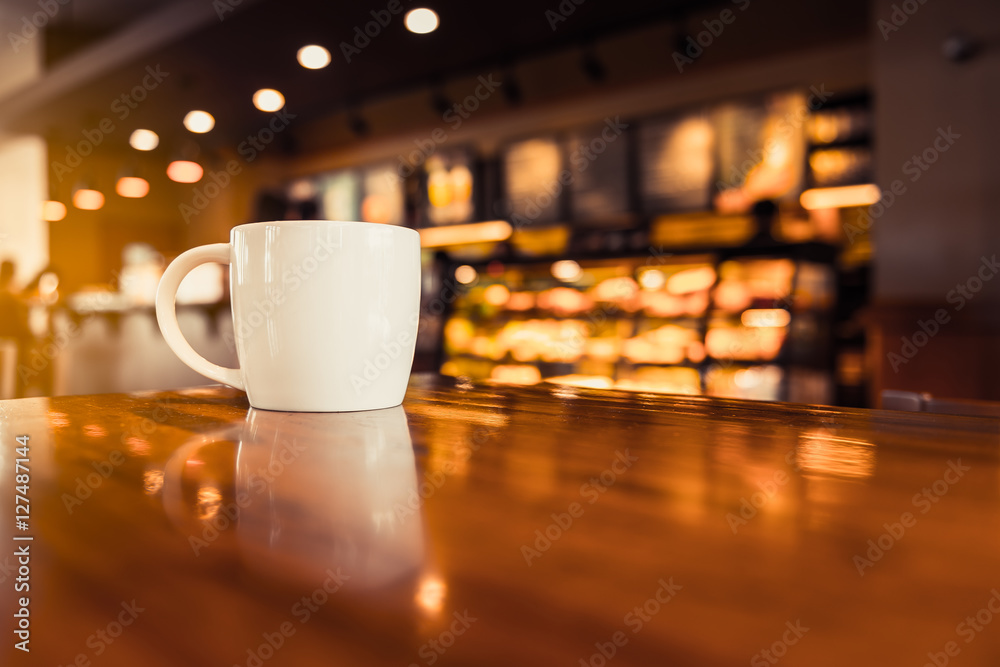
x,y
313,56
421,20
199,122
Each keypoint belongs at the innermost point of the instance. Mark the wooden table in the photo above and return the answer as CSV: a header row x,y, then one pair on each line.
x,y
489,525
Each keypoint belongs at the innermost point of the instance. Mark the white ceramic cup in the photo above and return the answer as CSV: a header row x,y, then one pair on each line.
x,y
325,313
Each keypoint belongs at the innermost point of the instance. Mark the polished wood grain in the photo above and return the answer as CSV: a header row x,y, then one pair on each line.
x,y
489,525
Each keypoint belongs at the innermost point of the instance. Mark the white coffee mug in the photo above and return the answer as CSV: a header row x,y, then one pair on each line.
x,y
325,313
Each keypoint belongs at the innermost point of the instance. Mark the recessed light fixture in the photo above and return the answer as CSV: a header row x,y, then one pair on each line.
x,y
199,122
313,56
144,140
184,171
268,99
88,200
421,20
53,211
132,187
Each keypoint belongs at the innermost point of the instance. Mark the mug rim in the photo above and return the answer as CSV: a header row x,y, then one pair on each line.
x,y
335,222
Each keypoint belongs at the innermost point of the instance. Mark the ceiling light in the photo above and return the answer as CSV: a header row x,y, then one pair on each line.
x,y
132,187
144,140
53,211
313,56
183,171
421,21
88,200
268,99
199,122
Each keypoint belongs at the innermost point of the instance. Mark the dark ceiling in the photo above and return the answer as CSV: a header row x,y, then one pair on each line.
x,y
219,65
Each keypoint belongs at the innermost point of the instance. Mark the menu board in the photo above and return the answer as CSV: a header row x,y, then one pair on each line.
x,y
761,150
382,195
449,188
531,172
339,194
676,163
599,166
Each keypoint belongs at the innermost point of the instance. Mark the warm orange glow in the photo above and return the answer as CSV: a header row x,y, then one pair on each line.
x,y
183,171
766,317
842,197
566,270
466,275
431,593
496,295
88,200
53,211
691,280
477,232
132,187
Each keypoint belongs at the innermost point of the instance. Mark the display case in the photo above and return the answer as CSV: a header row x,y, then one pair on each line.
x,y
738,324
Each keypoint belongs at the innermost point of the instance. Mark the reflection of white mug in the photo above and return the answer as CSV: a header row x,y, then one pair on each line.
x,y
316,493
325,313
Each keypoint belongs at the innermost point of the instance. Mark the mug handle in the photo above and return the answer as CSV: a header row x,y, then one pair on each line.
x,y
166,316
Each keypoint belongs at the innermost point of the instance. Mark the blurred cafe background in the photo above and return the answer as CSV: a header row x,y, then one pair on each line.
x,y
763,199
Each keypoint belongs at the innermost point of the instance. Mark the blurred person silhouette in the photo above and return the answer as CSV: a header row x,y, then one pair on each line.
x,y
15,336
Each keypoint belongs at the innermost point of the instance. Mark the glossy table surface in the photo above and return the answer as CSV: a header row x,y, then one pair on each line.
x,y
493,525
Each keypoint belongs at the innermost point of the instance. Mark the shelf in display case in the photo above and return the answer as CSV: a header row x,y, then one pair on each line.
x,y
629,322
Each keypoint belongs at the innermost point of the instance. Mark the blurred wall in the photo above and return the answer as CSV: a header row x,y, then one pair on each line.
x,y
934,323
23,236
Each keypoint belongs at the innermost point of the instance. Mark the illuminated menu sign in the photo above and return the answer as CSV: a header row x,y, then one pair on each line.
x,y
449,188
599,165
677,163
340,195
382,199
531,172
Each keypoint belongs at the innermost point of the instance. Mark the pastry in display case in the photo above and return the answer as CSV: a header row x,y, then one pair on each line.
x,y
695,324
